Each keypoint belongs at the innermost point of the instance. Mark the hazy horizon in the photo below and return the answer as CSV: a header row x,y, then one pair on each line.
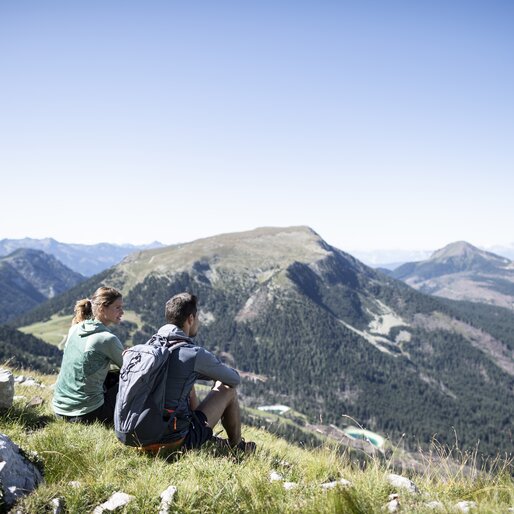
x,y
371,256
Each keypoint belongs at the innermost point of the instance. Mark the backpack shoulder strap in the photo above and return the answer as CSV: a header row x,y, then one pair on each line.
x,y
160,340
177,345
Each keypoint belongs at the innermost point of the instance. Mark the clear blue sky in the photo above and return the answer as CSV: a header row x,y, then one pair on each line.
x,y
380,124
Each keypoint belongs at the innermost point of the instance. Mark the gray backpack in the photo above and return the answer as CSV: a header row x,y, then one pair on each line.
x,y
139,415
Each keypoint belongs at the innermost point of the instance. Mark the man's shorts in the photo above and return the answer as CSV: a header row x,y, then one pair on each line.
x,y
199,431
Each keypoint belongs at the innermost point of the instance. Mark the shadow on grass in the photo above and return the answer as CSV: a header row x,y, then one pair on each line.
x,y
28,417
213,448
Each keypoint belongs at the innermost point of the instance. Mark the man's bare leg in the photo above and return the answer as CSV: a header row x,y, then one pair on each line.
x,y
222,404
193,399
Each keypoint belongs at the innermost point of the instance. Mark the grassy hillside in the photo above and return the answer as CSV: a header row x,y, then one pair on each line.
x,y
56,328
52,331
207,481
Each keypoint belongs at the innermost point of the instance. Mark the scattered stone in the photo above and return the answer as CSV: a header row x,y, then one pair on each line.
x,y
402,483
394,496
20,378
75,484
290,485
57,505
275,477
466,506
393,505
167,499
335,483
435,505
30,382
116,501
6,389
18,475
36,402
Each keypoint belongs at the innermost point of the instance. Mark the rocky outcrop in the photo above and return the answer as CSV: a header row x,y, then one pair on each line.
x,y
6,389
18,476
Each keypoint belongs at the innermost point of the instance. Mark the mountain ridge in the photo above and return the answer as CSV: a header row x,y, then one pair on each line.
x,y
28,277
85,259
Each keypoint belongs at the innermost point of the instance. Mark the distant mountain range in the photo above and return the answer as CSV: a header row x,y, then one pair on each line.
x,y
29,277
392,259
87,260
312,327
462,271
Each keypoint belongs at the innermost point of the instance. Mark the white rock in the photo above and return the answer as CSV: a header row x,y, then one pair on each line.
x,y
435,505
75,484
17,475
275,477
167,499
20,378
402,483
466,506
393,506
332,485
6,389
30,382
116,501
290,485
37,401
57,506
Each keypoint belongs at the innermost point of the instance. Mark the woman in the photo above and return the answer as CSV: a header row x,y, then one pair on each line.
x,y
80,394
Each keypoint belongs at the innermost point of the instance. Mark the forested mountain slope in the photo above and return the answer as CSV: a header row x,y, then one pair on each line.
x,y
28,278
26,351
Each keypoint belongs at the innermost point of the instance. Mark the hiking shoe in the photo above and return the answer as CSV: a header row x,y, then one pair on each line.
x,y
245,446
219,442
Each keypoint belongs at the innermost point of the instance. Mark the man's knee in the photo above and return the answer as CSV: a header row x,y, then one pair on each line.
x,y
227,391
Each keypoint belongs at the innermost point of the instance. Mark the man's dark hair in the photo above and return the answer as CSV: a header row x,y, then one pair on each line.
x,y
179,307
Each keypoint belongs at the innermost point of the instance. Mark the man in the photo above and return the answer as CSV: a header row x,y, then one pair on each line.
x,y
191,422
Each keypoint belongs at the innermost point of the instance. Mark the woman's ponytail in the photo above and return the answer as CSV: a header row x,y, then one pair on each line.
x,y
83,310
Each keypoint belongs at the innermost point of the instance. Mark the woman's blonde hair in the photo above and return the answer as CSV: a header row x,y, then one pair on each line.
x,y
88,308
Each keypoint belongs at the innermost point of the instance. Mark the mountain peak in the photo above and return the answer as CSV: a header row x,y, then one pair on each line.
x,y
456,249
261,248
27,253
462,271
466,252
